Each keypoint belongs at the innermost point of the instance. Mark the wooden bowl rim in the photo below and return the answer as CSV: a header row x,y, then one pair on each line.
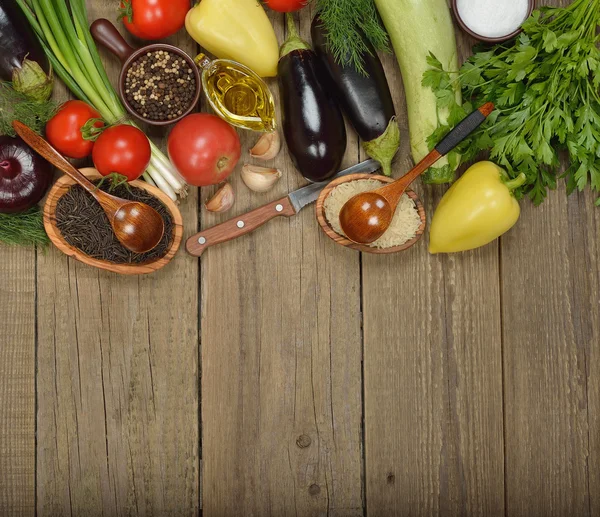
x,y
340,239
61,187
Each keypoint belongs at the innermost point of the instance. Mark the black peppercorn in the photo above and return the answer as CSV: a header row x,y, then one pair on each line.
x,y
160,85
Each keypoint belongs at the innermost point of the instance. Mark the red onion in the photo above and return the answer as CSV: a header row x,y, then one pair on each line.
x,y
24,176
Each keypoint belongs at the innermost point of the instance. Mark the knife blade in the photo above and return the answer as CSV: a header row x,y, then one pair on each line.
x,y
286,207
309,194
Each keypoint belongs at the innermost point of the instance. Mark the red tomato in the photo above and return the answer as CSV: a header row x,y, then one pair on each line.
x,y
122,149
154,19
286,6
64,129
204,149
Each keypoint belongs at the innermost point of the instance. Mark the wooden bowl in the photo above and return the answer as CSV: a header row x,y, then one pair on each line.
x,y
61,187
340,239
107,35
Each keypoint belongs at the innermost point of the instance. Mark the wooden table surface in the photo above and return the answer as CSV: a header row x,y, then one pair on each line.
x,y
284,375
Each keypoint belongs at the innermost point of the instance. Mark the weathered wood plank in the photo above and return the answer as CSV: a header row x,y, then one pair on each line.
x,y
281,383
17,381
551,328
118,430
432,372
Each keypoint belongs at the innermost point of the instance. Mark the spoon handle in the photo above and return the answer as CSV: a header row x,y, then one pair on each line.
x,y
394,191
46,151
464,129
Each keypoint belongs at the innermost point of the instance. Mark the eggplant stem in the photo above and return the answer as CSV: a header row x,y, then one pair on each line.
x,y
385,146
293,41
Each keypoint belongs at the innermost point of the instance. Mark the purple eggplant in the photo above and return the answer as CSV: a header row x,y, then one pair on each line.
x,y
364,96
313,125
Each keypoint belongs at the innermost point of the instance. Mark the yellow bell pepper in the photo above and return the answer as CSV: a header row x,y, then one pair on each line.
x,y
477,209
238,30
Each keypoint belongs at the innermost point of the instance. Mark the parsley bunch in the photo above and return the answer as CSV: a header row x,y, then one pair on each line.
x,y
545,87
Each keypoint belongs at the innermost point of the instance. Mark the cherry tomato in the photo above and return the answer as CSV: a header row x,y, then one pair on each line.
x,y
122,149
286,6
64,129
204,149
154,19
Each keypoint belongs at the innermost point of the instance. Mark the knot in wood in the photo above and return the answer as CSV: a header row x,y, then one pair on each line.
x,y
314,489
303,441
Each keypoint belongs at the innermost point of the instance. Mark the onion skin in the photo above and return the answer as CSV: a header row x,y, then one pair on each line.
x,y
24,176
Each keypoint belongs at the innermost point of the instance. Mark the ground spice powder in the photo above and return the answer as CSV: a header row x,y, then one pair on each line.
x,y
84,225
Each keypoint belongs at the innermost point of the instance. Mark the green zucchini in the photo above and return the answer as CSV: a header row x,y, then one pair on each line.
x,y
418,28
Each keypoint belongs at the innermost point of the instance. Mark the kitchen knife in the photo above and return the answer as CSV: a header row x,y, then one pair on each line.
x,y
287,207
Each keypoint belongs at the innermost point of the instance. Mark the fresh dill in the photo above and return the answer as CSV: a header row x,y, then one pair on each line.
x,y
349,23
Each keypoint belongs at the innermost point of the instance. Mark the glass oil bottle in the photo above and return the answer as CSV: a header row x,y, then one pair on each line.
x,y
237,94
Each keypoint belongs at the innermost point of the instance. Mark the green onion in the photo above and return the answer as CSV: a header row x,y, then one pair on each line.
x,y
62,28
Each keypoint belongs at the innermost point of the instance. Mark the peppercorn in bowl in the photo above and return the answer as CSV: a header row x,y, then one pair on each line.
x,y
160,86
159,83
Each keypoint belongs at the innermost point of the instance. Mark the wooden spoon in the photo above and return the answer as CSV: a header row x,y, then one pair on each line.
x,y
137,226
365,217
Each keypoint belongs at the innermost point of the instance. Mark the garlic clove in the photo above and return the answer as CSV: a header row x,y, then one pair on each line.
x,y
260,179
222,200
267,147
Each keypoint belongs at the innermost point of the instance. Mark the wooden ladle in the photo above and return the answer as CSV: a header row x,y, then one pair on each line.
x,y
365,217
137,226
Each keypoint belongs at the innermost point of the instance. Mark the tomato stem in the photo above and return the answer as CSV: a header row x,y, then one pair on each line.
x,y
90,131
126,11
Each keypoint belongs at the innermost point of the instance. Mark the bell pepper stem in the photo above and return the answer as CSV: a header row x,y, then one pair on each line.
x,y
293,41
516,182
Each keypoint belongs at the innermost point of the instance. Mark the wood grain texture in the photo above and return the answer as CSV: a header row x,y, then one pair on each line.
x,y
481,370
551,327
118,430
281,355
17,381
432,371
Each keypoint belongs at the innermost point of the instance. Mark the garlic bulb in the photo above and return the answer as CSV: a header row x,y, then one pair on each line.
x,y
267,147
260,179
222,200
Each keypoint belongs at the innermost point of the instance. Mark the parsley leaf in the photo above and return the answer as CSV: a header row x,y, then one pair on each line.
x,y
545,88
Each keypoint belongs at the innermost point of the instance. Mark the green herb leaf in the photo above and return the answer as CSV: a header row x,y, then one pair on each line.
x,y
352,25
16,106
545,86
24,229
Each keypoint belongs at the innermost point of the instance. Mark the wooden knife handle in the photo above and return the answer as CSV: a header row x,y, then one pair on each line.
x,y
238,226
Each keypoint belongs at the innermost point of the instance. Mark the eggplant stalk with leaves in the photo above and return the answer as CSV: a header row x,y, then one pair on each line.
x,y
22,59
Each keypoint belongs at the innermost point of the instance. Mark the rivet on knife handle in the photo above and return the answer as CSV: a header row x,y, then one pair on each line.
x,y
238,226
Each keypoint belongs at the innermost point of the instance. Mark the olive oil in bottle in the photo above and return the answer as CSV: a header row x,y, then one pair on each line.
x,y
237,94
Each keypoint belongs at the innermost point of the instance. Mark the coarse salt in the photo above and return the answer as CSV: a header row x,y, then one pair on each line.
x,y
493,18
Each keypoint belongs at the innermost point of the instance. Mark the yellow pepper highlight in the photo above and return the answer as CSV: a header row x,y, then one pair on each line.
x,y
477,209
238,30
